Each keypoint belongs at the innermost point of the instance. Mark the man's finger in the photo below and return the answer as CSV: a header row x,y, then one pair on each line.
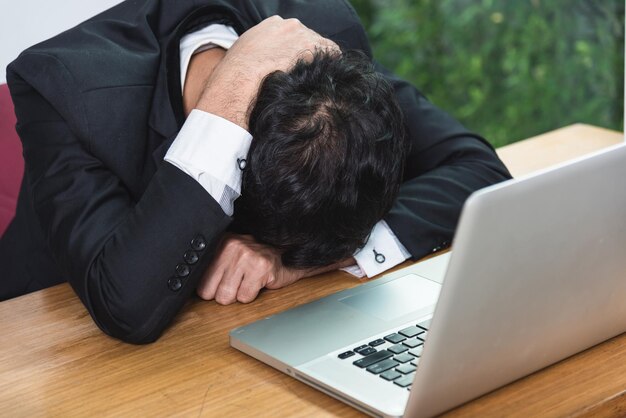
x,y
229,286
211,280
328,44
250,287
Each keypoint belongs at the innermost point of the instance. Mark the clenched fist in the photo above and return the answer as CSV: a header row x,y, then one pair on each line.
x,y
242,267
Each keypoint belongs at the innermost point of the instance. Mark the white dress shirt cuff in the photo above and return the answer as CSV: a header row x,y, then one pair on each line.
x,y
382,251
213,151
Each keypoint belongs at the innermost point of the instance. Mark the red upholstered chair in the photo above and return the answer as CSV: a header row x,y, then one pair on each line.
x,y
11,160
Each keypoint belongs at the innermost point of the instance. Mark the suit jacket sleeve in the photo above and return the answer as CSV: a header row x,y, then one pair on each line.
x,y
123,257
445,164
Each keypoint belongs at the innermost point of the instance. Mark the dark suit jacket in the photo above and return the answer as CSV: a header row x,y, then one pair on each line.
x,y
98,107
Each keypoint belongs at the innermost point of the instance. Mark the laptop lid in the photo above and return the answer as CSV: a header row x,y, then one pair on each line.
x,y
538,273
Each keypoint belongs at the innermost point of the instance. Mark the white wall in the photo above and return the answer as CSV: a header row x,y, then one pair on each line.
x,y
26,22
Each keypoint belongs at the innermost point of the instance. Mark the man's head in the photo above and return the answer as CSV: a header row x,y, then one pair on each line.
x,y
326,159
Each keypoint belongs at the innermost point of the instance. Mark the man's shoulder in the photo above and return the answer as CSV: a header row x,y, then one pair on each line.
x,y
96,54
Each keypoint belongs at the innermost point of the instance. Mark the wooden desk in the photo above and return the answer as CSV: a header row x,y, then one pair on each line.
x,y
55,362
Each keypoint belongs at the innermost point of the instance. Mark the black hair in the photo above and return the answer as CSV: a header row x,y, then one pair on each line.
x,y
326,159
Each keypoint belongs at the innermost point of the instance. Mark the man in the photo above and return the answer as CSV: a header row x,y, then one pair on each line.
x,y
119,116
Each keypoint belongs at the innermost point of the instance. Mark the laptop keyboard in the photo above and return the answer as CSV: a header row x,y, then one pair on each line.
x,y
393,358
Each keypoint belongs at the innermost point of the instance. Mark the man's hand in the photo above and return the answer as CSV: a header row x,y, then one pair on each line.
x,y
274,44
242,267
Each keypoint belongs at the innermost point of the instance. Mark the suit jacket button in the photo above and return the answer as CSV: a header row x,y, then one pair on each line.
x,y
174,284
190,257
198,243
182,270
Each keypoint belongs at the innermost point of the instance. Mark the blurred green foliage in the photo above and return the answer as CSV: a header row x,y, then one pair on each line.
x,y
508,69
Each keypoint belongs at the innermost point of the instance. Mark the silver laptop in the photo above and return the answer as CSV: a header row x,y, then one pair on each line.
x,y
538,273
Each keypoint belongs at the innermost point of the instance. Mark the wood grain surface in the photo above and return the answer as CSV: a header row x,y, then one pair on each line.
x,y
55,362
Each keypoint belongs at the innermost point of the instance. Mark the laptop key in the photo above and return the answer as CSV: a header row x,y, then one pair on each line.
x,y
373,358
404,358
346,354
417,351
390,375
405,380
425,324
405,368
411,331
398,348
359,348
377,342
367,351
382,366
415,361
395,338
413,342
423,336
